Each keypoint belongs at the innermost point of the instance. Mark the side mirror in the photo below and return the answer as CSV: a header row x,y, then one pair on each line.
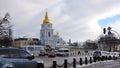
x,y
31,57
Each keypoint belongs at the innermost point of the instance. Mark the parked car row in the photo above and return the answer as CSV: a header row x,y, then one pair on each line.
x,y
100,54
54,53
40,51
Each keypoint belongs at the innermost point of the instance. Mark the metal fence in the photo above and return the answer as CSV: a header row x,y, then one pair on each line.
x,y
90,62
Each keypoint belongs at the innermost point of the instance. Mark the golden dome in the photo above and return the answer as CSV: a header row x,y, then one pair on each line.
x,y
57,34
46,20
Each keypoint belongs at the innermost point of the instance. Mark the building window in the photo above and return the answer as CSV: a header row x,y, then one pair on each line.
x,y
48,34
42,26
49,26
42,34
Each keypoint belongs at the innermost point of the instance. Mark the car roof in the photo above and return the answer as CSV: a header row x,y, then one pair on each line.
x,y
100,51
63,49
9,48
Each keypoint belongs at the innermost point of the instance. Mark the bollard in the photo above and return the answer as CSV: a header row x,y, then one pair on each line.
x,y
116,58
109,57
40,65
81,62
94,58
65,63
90,60
86,61
113,57
54,64
74,62
105,57
101,58
98,58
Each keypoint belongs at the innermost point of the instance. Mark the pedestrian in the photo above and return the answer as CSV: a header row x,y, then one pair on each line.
x,y
79,53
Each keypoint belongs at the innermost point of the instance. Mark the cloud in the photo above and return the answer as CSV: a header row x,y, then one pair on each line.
x,y
75,20
115,27
24,14
84,18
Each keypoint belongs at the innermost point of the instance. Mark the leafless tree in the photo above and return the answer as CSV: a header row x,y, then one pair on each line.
x,y
5,31
109,43
90,44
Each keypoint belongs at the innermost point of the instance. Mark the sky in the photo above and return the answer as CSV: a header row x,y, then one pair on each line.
x,y
78,20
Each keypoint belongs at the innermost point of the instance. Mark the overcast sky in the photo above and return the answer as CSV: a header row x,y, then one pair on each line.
x,y
78,20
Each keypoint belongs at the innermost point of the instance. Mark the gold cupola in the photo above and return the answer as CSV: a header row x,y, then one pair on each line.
x,y
46,20
57,34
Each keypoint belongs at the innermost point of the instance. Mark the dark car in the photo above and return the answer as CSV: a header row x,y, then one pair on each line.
x,y
17,58
42,53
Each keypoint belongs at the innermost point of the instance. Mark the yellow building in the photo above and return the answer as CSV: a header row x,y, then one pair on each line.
x,y
25,41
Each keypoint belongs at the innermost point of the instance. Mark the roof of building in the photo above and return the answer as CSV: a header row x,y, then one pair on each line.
x,y
46,20
23,39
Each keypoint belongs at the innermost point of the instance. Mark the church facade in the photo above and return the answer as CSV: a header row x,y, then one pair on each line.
x,y
47,36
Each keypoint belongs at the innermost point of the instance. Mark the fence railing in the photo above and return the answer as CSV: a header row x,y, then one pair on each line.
x,y
81,53
89,60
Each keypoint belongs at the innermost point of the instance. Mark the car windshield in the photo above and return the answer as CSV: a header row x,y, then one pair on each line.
x,y
97,52
31,48
24,48
63,51
60,51
37,48
13,53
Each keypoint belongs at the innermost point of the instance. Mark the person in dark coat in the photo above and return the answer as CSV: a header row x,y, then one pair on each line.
x,y
79,53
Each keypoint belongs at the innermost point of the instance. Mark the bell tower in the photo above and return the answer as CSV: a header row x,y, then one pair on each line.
x,y
46,32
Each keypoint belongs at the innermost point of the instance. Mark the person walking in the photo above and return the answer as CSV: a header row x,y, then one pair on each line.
x,y
79,52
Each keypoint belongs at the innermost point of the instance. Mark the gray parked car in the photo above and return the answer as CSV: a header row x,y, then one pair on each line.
x,y
17,58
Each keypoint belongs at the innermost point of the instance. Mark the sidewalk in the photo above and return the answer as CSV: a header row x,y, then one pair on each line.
x,y
101,64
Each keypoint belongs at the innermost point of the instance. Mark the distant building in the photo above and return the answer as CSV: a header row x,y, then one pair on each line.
x,y
58,40
25,41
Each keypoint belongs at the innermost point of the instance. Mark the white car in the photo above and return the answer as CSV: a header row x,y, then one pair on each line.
x,y
100,54
63,52
116,54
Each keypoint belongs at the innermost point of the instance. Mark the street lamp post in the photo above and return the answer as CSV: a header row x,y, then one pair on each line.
x,y
112,41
